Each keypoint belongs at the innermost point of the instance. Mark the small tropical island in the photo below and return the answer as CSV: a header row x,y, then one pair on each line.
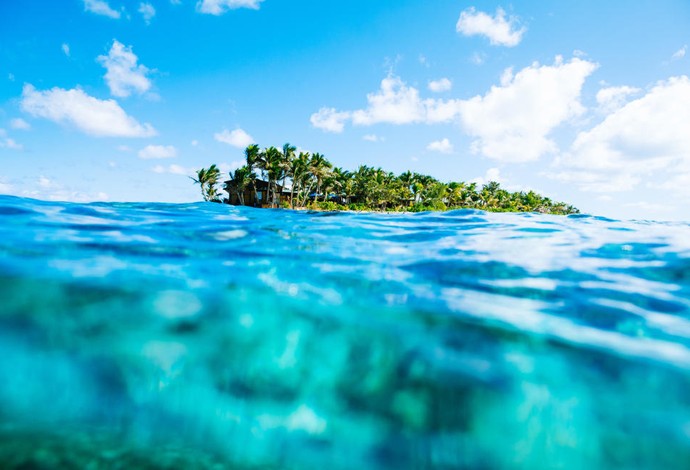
x,y
281,178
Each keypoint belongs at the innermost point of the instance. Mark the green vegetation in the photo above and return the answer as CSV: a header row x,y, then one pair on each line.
x,y
207,178
316,184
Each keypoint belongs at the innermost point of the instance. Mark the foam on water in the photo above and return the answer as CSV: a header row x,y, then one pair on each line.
x,y
197,335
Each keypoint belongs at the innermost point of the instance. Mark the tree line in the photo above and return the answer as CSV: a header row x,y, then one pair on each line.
x,y
317,184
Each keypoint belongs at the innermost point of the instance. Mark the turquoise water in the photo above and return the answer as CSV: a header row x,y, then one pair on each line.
x,y
210,336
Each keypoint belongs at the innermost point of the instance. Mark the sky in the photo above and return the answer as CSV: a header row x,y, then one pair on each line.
x,y
585,101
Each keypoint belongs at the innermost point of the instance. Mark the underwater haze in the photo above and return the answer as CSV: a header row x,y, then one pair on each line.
x,y
211,336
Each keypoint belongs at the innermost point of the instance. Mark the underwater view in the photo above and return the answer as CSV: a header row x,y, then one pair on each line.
x,y
137,335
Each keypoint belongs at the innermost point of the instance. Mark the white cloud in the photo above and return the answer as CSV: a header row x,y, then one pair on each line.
x,y
237,138
157,151
65,49
123,75
6,142
442,146
226,167
218,7
100,7
19,123
492,174
329,120
50,190
11,144
174,169
101,118
680,53
195,143
512,122
440,85
478,58
147,11
373,138
398,103
6,188
611,99
648,139
499,30
395,103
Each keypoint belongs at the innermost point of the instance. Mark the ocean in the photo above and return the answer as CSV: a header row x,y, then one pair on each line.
x,y
203,335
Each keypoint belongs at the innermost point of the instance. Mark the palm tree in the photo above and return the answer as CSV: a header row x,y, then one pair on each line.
x,y
372,188
319,166
239,182
208,179
489,194
252,155
342,182
298,168
454,195
470,198
288,156
270,163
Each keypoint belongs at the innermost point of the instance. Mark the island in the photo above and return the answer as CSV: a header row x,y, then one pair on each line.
x,y
314,183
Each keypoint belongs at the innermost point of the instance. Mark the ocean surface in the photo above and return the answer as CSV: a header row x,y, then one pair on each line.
x,y
210,336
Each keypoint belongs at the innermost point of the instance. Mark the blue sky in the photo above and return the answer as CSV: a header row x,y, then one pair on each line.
x,y
587,101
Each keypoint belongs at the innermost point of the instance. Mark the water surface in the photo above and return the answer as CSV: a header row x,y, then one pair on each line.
x,y
207,336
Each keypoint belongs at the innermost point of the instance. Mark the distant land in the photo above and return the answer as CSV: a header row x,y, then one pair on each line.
x,y
315,184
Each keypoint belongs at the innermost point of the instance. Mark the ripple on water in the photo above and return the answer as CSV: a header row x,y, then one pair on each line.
x,y
343,340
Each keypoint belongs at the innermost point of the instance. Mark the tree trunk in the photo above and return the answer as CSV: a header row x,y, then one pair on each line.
x,y
292,194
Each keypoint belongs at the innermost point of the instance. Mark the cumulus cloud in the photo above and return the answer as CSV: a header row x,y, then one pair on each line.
x,y
218,7
147,11
398,103
646,139
492,174
613,98
500,31
237,138
373,138
442,146
151,152
100,7
100,118
123,75
330,120
512,122
19,123
65,49
440,85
